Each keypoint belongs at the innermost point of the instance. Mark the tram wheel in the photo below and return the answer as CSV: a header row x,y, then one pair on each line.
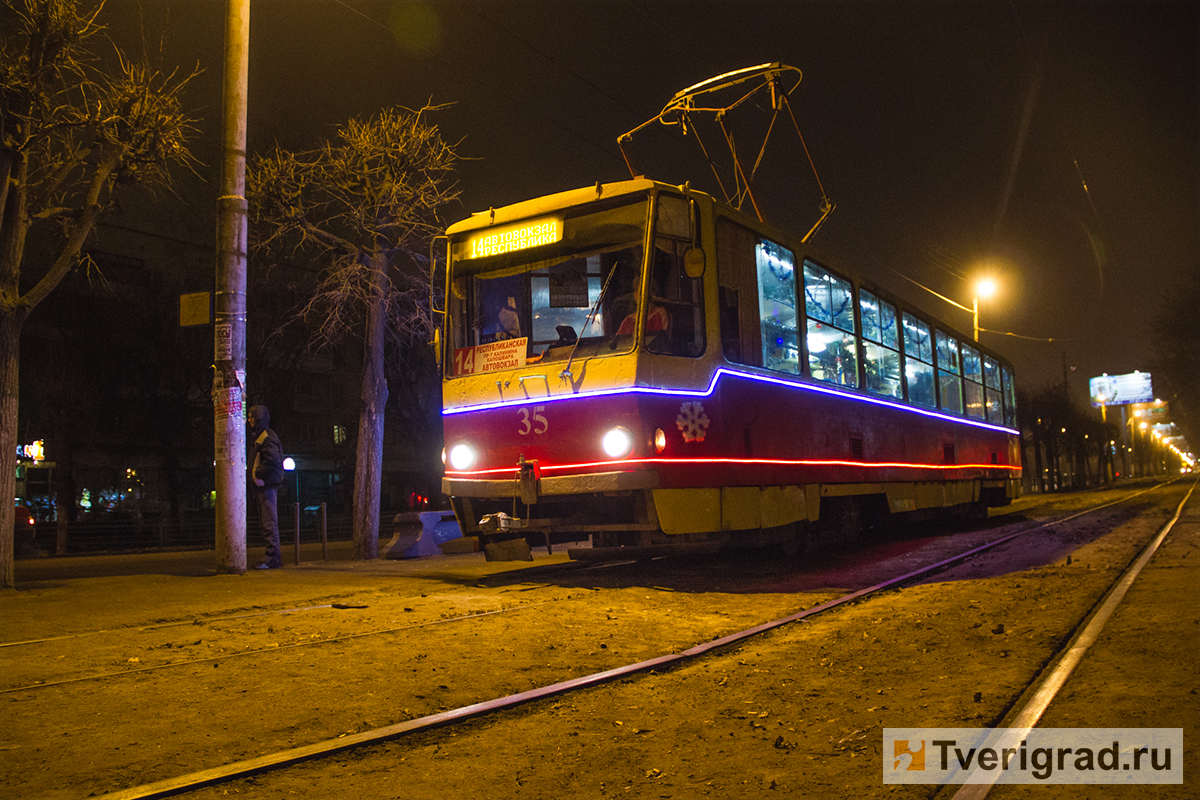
x,y
845,519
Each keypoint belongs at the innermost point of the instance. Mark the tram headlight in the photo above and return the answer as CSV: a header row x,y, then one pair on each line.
x,y
462,456
660,440
617,443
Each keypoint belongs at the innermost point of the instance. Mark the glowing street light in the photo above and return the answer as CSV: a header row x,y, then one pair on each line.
x,y
984,288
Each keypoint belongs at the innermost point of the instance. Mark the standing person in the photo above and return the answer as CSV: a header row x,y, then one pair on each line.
x,y
265,474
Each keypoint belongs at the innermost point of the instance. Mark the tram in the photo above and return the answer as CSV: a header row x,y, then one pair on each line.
x,y
645,365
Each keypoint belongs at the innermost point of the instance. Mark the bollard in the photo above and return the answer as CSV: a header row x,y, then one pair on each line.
x,y
324,536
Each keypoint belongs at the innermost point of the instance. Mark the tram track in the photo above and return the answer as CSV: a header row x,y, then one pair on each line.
x,y
1030,707
207,620
259,651
175,624
289,757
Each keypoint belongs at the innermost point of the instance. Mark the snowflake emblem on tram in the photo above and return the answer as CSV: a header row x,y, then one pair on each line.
x,y
692,422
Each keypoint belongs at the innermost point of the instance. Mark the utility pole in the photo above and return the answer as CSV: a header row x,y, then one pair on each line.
x,y
229,330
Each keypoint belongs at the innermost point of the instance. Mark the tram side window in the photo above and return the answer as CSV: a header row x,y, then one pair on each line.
x,y
674,323
737,278
832,346
949,379
973,382
777,306
1010,398
918,364
881,359
991,380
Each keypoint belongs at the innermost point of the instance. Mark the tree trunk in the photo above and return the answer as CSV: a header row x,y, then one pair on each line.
x,y
1039,475
368,470
11,323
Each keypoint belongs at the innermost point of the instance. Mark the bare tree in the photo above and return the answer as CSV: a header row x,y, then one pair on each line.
x,y
366,203
71,137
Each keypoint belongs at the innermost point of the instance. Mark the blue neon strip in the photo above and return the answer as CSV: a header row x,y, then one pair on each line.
x,y
810,387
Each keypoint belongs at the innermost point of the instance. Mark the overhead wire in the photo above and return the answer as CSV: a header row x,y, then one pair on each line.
x,y
603,148
1071,152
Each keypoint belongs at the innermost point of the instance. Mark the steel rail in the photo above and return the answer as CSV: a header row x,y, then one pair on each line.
x,y
263,650
1046,686
193,621
284,758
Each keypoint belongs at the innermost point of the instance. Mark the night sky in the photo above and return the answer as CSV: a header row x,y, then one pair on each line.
x,y
1056,143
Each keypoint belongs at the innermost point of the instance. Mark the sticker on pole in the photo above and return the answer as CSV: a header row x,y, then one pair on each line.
x,y
222,341
227,403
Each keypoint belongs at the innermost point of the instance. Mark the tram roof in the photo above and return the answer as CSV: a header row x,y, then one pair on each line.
x,y
550,202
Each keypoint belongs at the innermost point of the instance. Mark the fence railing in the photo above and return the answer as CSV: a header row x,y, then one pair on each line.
x,y
197,532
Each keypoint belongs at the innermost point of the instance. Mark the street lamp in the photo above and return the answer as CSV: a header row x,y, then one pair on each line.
x,y
984,288
289,465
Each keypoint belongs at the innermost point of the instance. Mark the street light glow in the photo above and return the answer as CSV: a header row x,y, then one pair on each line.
x,y
985,288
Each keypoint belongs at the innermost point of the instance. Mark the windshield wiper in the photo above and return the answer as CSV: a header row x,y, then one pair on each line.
x,y
566,373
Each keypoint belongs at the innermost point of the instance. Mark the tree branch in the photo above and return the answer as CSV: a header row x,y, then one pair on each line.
x,y
67,257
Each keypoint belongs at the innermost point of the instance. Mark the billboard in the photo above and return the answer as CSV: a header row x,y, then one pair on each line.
x,y
1121,390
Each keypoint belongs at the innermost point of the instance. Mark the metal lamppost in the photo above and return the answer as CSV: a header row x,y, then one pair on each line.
x,y
289,465
985,288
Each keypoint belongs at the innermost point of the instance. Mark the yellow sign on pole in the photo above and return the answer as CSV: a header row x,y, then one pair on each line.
x,y
195,309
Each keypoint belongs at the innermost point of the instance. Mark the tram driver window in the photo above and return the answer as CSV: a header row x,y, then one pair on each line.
x,y
562,296
501,306
674,313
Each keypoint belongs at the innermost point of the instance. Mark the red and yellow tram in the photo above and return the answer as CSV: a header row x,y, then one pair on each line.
x,y
641,363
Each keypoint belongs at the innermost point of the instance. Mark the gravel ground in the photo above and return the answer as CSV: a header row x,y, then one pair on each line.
x,y
204,670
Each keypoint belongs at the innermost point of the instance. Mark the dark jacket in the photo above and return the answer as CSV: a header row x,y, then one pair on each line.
x,y
264,460
267,459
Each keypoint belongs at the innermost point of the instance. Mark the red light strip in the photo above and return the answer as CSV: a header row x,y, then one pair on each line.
x,y
741,461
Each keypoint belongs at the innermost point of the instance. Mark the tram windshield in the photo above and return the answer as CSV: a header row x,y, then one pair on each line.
x,y
525,293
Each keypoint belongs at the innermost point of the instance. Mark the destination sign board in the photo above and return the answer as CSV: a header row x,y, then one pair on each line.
x,y
502,354
533,233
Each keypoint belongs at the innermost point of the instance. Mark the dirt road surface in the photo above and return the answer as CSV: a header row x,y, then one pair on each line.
x,y
156,668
